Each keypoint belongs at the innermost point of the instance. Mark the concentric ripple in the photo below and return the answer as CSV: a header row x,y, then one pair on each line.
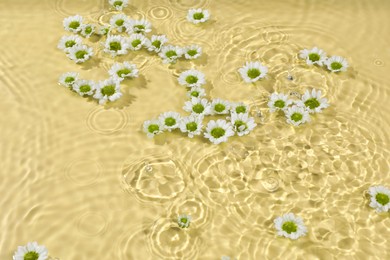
x,y
160,12
92,224
83,7
106,121
83,172
188,4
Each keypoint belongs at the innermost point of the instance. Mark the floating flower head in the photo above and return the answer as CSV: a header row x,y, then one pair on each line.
x,y
136,41
121,71
290,226
170,53
73,23
184,221
336,64
196,92
84,87
380,198
31,251
197,106
218,131
80,53
119,4
253,71
87,30
169,120
68,41
192,125
152,128
239,108
192,78
156,42
103,30
297,115
313,101
192,52
196,16
278,102
68,79
138,26
313,56
116,45
119,22
242,123
108,89
219,107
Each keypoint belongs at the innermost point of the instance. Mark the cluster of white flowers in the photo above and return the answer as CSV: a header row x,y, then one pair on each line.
x,y
318,56
297,111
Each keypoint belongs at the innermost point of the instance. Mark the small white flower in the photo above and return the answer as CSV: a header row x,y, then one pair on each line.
x,y
138,26
68,79
184,221
219,107
87,30
336,64
196,16
80,53
119,4
73,23
103,30
116,45
253,71
290,226
380,198
108,89
242,123
278,102
152,128
197,106
136,41
191,125
119,22
170,120
218,131
170,53
31,251
297,115
156,42
192,52
120,71
68,41
239,108
313,56
84,87
196,92
313,101
192,78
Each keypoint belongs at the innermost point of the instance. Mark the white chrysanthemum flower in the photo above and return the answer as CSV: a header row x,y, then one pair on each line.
x,y
68,79
192,78
156,42
253,71
199,15
87,30
108,89
192,52
73,23
170,120
138,26
219,107
218,131
184,221
119,22
290,226
313,101
242,123
336,64
120,71
116,45
31,251
192,125
80,53
118,4
297,115
313,56
84,87
68,41
197,106
152,128
136,41
103,30
278,101
196,92
239,108
380,198
170,53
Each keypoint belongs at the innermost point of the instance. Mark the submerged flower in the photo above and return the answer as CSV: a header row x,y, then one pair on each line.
x,y
192,52
120,71
68,41
297,115
87,30
290,226
219,107
196,92
169,120
192,125
156,42
242,123
253,71
118,4
380,198
192,78
80,53
116,45
313,101
84,87
197,106
196,16
136,41
138,26
103,30
119,22
313,56
278,102
152,128
184,221
336,64
73,23
218,131
108,89
170,53
31,251
68,79
239,108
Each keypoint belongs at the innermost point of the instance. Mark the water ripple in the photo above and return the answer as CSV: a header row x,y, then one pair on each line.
x,y
106,121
